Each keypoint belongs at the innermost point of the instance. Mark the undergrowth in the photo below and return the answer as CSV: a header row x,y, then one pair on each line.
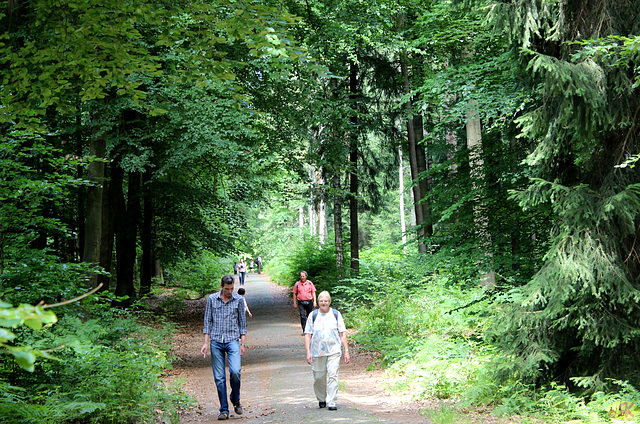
x,y
108,370
428,325
198,276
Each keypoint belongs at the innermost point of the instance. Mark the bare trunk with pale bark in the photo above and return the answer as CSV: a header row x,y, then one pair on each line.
x,y
353,176
403,224
474,144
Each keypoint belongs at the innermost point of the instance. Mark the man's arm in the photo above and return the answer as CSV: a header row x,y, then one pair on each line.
x,y
243,344
205,346
315,301
295,296
207,328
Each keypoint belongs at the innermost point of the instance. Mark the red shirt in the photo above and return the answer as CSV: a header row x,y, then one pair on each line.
x,y
304,291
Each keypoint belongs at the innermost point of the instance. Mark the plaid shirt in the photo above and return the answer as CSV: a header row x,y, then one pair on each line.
x,y
225,322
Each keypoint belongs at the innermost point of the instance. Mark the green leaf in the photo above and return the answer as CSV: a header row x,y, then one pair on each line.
x,y
33,322
24,358
6,335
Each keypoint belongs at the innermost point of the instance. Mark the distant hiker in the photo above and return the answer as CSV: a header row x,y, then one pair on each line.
x,y
242,270
304,298
225,329
259,263
241,292
235,267
323,335
251,266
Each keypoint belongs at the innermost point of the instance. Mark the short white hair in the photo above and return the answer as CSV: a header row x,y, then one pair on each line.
x,y
325,293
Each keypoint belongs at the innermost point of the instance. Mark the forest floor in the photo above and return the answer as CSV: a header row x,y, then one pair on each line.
x,y
276,379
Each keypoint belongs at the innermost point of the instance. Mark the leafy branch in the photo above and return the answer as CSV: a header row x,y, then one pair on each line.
x,y
35,317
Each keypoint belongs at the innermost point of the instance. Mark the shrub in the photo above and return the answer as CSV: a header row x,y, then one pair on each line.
x,y
307,255
108,371
199,276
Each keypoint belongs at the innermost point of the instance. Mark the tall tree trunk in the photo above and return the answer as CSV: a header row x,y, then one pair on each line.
x,y
157,273
412,211
474,143
313,222
322,209
353,174
146,236
301,218
337,224
450,136
93,219
109,214
403,224
126,238
82,198
312,217
413,157
421,159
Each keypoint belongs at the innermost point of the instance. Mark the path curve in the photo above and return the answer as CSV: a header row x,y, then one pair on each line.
x,y
276,379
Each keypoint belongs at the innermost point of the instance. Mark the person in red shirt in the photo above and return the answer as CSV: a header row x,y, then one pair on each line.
x,y
304,298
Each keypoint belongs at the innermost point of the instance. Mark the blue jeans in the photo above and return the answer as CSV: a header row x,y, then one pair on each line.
x,y
232,350
242,275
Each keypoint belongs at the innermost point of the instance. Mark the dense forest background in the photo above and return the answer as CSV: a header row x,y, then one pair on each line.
x,y
459,174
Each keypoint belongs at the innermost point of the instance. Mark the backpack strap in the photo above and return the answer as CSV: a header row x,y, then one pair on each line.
x,y
314,314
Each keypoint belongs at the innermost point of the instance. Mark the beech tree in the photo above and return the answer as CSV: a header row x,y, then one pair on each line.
x,y
107,68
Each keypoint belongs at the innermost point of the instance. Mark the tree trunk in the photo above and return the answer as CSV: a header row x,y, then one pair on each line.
x,y
353,175
474,144
313,223
82,198
301,218
93,220
157,273
126,237
322,209
109,214
146,236
421,159
337,225
413,157
403,224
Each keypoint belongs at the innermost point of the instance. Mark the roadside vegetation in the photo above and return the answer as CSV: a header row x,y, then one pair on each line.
x,y
100,365
433,332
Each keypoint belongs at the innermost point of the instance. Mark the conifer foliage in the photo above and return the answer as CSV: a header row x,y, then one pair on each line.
x,y
579,315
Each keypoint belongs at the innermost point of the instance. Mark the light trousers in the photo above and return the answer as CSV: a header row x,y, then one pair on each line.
x,y
325,378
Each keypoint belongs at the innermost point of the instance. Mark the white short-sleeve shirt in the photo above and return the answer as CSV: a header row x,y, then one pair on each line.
x,y
325,333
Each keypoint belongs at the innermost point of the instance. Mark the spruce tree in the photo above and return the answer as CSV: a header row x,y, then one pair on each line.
x,y
578,318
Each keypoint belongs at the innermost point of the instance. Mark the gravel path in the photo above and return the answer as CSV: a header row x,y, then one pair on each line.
x,y
276,379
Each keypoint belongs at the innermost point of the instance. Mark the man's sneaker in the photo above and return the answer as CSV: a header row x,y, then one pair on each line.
x,y
223,416
332,408
322,404
238,408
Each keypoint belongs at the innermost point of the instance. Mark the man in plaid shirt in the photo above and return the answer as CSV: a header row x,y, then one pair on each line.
x,y
225,329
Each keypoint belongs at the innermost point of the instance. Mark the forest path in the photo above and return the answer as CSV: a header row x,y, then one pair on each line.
x,y
276,379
